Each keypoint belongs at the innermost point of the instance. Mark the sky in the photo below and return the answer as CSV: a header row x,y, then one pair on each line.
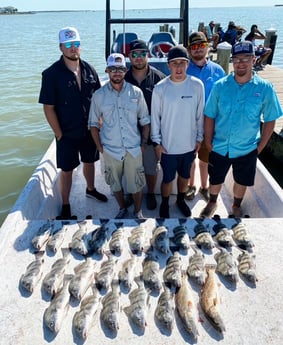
x,y
41,5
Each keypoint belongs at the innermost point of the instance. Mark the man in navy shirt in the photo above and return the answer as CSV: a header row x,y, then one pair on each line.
x,y
66,91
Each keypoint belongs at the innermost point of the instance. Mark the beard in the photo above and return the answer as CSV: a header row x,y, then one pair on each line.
x,y
74,57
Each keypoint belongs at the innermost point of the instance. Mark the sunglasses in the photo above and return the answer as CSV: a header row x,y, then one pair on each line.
x,y
70,44
117,69
244,60
198,45
136,55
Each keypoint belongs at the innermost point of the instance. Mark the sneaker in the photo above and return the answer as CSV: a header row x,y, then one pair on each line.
x,y
94,194
164,211
184,208
209,209
190,193
205,193
128,200
123,212
237,211
139,215
151,203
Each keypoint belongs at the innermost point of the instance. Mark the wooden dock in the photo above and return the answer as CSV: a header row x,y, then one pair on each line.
x,y
275,75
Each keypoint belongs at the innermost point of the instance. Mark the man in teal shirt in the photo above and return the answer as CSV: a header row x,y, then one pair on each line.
x,y
233,113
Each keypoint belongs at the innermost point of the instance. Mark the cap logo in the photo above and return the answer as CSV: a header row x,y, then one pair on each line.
x,y
70,34
244,47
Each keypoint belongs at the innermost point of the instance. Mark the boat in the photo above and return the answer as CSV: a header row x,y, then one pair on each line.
x,y
21,317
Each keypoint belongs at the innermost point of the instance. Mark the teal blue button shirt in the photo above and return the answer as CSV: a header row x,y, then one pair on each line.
x,y
237,111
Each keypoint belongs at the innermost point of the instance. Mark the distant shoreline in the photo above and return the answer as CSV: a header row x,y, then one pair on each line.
x,y
47,11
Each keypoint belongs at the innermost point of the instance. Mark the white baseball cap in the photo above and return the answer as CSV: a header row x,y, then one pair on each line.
x,y
116,60
69,34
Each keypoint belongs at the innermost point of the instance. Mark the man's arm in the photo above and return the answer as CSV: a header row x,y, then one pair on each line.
x,y
267,130
50,114
208,132
96,137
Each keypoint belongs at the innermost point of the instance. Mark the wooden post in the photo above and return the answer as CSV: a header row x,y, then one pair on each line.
x,y
270,42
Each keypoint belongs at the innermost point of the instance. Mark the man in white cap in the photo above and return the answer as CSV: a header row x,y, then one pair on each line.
x,y
66,90
177,127
116,110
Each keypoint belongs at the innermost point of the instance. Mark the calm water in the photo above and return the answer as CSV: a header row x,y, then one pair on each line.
x,y
29,45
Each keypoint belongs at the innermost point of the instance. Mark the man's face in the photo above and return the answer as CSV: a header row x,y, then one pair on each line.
x,y
178,69
71,50
139,59
198,51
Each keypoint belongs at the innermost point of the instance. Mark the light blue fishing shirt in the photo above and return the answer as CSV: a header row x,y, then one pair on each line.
x,y
121,112
208,74
237,111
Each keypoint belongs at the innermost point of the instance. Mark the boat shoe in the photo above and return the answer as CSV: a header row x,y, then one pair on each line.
x,y
94,194
190,193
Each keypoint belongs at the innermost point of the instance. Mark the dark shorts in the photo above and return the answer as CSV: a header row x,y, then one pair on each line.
x,y
244,168
70,152
261,51
176,163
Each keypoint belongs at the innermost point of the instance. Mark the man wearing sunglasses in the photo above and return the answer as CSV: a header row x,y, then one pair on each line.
x,y
145,77
208,72
233,113
66,90
120,107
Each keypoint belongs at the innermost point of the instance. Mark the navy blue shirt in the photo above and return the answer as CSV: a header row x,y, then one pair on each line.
x,y
153,77
60,88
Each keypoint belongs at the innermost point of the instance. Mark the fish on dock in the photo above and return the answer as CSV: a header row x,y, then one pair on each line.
x,y
42,235
116,242
127,272
226,265
54,315
111,306
137,239
33,273
83,278
181,237
160,239
79,242
247,266
222,235
98,238
164,311
196,267
139,301
242,236
203,238
186,307
104,276
84,318
56,238
53,280
210,300
150,272
172,274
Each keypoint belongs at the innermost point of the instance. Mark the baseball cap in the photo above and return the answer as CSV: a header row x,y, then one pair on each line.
x,y
138,45
177,52
243,47
116,60
68,34
197,37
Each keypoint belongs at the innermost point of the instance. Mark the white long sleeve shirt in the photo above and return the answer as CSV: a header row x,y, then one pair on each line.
x,y
177,114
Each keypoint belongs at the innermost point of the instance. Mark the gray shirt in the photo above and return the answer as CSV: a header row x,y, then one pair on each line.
x,y
120,113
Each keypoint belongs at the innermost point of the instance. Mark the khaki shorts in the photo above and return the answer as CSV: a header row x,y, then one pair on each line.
x,y
131,168
149,160
203,153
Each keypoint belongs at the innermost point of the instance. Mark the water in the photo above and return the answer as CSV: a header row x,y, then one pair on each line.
x,y
29,45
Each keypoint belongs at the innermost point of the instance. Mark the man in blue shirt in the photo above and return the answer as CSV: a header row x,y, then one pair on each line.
x,y
233,114
208,72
